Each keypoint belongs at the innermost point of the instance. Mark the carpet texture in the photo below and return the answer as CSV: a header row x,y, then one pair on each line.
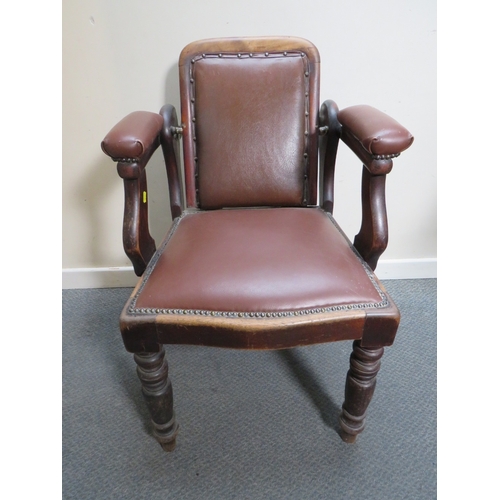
x,y
253,425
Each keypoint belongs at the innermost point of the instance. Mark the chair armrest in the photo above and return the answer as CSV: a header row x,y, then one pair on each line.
x,y
373,136
131,143
376,139
133,136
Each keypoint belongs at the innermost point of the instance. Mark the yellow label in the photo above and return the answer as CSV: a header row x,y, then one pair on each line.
x,y
144,197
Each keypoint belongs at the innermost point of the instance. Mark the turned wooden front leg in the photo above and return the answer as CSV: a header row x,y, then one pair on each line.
x,y
152,369
359,388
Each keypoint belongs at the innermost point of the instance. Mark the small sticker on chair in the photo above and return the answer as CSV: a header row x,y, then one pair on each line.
x,y
144,197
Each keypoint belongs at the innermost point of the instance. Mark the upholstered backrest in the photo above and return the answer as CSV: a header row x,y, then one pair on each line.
x,y
249,112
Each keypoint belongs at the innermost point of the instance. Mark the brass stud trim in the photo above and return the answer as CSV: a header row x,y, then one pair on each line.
x,y
385,157
126,160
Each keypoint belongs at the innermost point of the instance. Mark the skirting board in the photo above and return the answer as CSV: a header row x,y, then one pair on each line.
x,y
117,277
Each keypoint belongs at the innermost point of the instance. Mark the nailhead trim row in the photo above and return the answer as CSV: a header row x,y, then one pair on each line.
x,y
126,160
385,157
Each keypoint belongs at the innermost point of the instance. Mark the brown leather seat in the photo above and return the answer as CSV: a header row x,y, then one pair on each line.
x,y
255,261
265,264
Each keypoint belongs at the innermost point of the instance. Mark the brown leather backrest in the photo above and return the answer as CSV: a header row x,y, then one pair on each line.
x,y
249,113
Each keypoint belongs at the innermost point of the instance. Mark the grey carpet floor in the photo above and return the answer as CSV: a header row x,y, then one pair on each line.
x,y
253,425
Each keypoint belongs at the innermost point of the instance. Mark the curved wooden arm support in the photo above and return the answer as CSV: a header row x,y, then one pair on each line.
x,y
373,236
131,143
169,139
138,243
329,135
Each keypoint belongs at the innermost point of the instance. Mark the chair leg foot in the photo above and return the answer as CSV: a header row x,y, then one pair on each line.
x,y
166,434
359,388
348,438
168,447
152,369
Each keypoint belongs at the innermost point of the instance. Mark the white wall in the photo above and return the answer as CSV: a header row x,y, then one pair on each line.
x,y
121,55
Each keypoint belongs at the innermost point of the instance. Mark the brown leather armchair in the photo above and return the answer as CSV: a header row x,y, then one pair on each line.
x,y
255,260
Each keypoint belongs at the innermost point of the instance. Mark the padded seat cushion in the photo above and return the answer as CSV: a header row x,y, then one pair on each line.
x,y
255,262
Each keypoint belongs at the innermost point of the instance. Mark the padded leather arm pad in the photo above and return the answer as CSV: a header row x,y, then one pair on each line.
x,y
379,134
131,137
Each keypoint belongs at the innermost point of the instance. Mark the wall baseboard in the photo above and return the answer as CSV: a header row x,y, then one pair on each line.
x,y
405,269
98,277
117,277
